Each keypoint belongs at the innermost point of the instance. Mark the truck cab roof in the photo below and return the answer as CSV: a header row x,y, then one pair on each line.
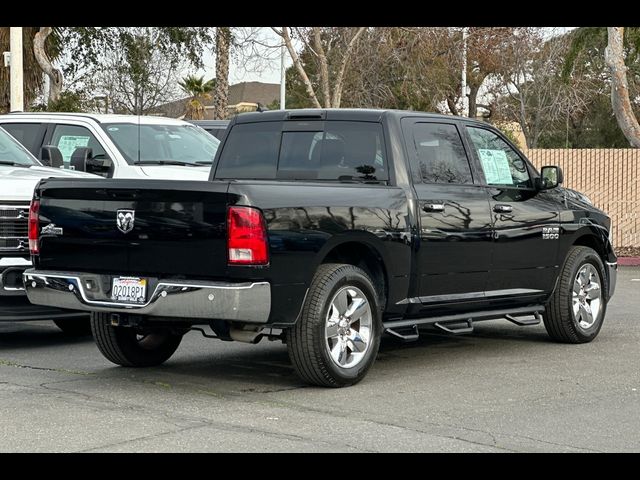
x,y
345,114
100,118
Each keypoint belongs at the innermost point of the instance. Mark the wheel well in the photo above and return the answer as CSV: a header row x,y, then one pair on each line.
x,y
592,241
365,257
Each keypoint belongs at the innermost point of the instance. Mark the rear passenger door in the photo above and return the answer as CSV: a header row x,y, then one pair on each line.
x,y
523,262
454,249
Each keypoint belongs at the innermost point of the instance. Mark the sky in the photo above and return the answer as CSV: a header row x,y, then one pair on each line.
x,y
268,73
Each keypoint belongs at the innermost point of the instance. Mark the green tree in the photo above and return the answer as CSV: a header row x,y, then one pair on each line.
x,y
33,75
586,57
89,48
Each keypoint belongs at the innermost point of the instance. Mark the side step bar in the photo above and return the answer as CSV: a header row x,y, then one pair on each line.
x,y
447,322
410,336
525,323
450,327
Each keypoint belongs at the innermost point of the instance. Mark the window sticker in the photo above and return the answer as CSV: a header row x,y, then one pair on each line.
x,y
496,166
68,143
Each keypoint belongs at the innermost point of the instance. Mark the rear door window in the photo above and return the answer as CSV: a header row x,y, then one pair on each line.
x,y
69,137
340,150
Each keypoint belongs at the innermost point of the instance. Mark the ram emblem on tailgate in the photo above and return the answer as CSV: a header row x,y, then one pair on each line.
x,y
125,220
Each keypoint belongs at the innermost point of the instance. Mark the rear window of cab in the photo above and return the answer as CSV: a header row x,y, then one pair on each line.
x,y
274,150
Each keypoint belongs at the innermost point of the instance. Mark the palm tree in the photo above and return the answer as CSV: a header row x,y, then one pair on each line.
x,y
223,39
199,90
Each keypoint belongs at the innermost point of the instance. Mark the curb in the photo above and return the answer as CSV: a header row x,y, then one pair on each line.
x,y
629,261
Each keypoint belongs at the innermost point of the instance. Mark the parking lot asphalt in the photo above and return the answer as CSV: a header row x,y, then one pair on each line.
x,y
502,388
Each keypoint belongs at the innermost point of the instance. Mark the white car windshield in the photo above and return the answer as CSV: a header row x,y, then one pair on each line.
x,y
163,144
14,154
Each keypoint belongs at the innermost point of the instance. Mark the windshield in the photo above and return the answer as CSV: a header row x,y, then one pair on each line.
x,y
163,144
12,153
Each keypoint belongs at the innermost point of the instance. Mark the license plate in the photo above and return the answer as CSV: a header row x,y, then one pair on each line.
x,y
129,290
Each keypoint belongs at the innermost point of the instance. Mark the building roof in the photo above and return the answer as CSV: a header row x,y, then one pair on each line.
x,y
253,92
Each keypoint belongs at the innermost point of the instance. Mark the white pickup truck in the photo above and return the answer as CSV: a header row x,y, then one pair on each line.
x,y
116,146
19,174
68,144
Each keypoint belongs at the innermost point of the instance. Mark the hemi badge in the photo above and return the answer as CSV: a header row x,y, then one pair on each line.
x,y
51,229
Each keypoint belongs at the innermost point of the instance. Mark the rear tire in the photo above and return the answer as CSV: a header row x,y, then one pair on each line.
x,y
577,308
129,347
75,327
326,347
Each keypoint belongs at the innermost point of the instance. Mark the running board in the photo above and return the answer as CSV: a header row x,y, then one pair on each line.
x,y
470,317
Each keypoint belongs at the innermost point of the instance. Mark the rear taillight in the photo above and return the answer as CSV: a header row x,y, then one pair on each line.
x,y
34,227
246,237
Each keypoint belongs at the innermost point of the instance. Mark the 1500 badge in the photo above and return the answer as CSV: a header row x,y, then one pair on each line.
x,y
550,233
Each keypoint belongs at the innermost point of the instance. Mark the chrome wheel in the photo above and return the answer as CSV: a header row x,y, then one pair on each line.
x,y
348,327
587,296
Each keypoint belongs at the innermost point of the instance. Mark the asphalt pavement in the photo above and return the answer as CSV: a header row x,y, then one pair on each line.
x,y
503,388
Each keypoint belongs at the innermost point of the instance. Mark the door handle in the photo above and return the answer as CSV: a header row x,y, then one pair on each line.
x,y
433,207
502,208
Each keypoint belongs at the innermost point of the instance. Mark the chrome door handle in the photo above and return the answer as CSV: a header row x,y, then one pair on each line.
x,y
502,208
433,207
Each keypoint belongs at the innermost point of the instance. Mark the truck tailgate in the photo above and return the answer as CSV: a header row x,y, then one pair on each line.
x,y
166,227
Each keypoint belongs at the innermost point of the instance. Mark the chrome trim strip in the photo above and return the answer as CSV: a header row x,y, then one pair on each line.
x,y
470,296
247,302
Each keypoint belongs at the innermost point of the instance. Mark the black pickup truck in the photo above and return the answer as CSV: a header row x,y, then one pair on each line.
x,y
326,229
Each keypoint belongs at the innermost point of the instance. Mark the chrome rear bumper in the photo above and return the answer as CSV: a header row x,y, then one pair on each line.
x,y
243,302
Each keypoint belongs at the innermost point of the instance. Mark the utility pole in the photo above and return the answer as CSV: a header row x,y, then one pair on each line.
x,y
16,73
465,97
283,76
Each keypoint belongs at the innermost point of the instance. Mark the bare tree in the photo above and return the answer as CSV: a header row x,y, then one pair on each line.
x,y
614,57
137,76
221,92
530,88
332,49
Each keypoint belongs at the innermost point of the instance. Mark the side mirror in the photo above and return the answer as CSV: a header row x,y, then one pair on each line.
x,y
82,160
550,177
79,159
51,156
100,167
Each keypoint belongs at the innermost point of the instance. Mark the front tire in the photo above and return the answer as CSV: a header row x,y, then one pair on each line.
x,y
576,310
130,347
75,327
336,340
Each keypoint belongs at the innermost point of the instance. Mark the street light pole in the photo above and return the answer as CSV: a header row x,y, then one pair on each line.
x,y
283,76
465,97
16,73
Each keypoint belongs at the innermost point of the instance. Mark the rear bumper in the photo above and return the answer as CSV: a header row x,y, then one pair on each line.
x,y
612,273
242,302
11,269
